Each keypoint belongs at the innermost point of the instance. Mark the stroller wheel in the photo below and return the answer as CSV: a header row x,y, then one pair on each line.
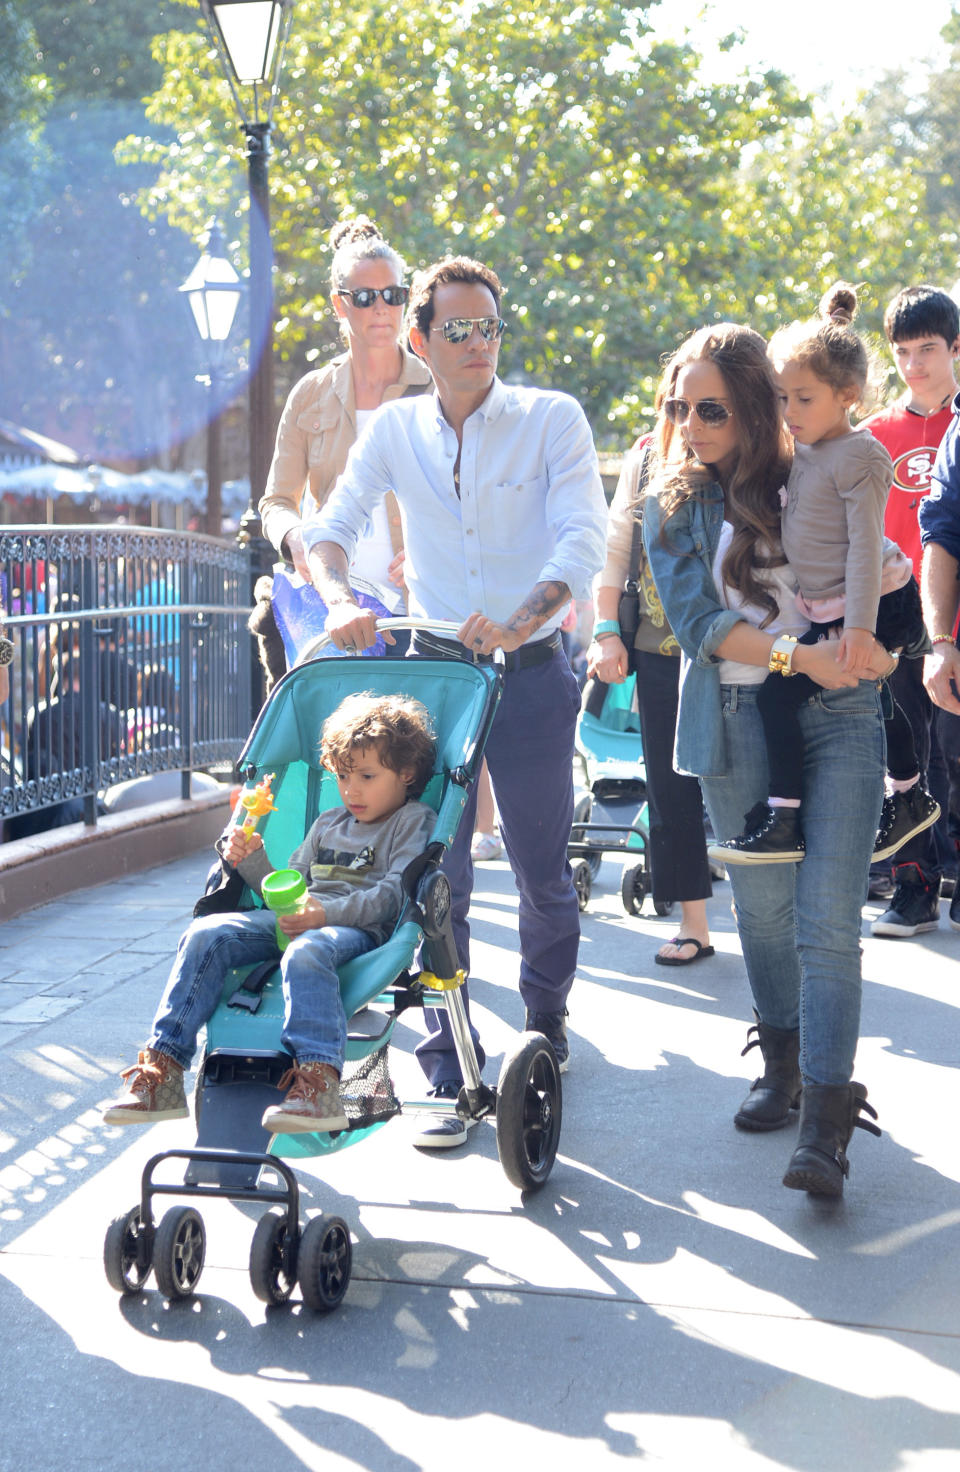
x,y
178,1252
273,1258
633,888
663,907
121,1256
325,1259
582,883
529,1112
582,813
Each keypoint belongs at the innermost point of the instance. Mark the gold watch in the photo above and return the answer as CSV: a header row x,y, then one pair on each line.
x,y
781,655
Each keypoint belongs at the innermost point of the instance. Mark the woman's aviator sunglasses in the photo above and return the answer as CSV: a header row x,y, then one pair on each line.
x,y
458,329
365,296
708,411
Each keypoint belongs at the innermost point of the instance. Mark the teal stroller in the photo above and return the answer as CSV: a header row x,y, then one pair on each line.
x,y
611,817
234,1157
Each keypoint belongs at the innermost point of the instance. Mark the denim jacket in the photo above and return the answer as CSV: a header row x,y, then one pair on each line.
x,y
683,572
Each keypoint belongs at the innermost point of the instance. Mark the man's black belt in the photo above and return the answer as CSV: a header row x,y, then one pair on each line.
x,y
523,658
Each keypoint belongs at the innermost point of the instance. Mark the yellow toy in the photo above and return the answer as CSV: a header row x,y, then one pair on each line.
x,y
258,803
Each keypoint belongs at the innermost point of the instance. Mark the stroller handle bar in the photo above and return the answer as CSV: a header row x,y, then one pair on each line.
x,y
443,627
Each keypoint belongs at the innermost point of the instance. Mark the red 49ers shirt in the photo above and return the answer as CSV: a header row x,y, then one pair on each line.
x,y
911,440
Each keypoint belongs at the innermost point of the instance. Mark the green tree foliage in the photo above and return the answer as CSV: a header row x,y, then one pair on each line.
x,y
588,166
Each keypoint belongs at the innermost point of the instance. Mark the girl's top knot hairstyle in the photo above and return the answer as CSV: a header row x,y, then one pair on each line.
x,y
355,240
839,304
827,344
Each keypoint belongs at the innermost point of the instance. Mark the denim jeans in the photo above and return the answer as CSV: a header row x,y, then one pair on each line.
x,y
314,1023
799,924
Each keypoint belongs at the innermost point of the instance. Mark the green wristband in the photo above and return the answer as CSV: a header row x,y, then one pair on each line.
x,y
606,626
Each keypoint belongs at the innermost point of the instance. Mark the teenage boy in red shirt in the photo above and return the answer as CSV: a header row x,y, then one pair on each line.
x,y
923,328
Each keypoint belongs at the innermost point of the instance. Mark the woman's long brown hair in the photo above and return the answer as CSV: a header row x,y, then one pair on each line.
x,y
764,454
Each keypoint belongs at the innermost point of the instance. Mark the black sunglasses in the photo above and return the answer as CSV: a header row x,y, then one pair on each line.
x,y
458,329
365,296
708,411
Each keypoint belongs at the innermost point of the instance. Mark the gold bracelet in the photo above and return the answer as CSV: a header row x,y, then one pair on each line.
x,y
781,655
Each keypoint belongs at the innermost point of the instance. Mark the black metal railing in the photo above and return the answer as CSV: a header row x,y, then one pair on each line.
x,y
131,657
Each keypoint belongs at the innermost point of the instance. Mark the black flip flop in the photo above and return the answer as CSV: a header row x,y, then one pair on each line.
x,y
700,954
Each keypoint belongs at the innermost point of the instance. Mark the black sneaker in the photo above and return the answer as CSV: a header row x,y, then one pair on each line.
x,y
914,908
554,1029
903,816
770,836
445,1131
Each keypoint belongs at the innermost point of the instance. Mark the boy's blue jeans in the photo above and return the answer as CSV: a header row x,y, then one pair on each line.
x,y
799,924
314,1023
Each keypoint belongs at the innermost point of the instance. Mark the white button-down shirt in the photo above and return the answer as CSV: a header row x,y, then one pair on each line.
x,y
531,507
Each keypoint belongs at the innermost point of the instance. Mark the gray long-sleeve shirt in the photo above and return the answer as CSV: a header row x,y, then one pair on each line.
x,y
832,527
354,869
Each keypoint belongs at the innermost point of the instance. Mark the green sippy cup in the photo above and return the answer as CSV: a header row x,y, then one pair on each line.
x,y
285,892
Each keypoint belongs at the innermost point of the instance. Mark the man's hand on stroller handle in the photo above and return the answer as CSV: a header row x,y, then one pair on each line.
x,y
352,628
481,635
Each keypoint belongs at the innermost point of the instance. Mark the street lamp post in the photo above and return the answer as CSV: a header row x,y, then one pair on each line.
x,y
213,290
250,38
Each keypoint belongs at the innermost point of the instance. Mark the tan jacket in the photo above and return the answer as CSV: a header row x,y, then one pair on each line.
x,y
317,428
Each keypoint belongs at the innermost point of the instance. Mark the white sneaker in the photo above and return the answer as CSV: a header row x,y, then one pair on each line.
x,y
444,1131
486,846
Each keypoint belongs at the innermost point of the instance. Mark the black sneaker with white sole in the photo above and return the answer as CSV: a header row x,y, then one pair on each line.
x,y
554,1029
770,836
445,1131
913,909
902,817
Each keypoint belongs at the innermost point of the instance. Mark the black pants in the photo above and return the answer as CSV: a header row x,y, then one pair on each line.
x,y
899,626
936,735
678,847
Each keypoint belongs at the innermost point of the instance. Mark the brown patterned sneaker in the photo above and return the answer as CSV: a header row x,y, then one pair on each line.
x,y
155,1092
312,1105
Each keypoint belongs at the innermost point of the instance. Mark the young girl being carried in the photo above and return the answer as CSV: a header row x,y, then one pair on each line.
x,y
854,582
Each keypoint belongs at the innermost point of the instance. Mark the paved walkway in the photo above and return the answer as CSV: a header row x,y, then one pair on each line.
x,y
663,1299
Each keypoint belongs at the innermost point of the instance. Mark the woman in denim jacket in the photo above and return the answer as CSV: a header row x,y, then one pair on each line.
x,y
711,529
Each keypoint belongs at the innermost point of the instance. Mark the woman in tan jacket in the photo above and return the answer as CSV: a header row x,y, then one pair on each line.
x,y
328,408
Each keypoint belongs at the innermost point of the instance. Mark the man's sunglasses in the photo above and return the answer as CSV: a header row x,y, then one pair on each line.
x,y
458,329
365,296
708,411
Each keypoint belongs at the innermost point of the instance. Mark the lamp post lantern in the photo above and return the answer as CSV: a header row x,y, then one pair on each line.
x,y
250,38
213,290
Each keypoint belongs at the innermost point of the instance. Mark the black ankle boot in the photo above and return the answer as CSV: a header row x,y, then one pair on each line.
x,y
828,1117
771,1098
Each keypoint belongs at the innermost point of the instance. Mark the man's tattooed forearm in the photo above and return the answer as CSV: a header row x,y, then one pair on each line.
x,y
544,600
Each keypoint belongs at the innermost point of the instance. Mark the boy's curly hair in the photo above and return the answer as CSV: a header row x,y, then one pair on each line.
x,y
397,727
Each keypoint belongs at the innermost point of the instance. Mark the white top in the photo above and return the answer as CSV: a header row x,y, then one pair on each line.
x,y
531,507
374,553
783,586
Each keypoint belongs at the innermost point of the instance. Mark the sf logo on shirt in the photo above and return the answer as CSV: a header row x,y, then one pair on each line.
x,y
912,471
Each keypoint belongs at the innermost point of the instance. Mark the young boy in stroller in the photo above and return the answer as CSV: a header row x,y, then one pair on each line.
x,y
382,751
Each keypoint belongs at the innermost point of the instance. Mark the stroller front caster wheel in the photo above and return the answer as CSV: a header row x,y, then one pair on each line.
x,y
529,1112
273,1258
582,883
179,1249
633,888
582,813
125,1260
662,908
325,1260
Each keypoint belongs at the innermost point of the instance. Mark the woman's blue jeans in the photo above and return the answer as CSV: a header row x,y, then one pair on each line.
x,y
314,1023
799,924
